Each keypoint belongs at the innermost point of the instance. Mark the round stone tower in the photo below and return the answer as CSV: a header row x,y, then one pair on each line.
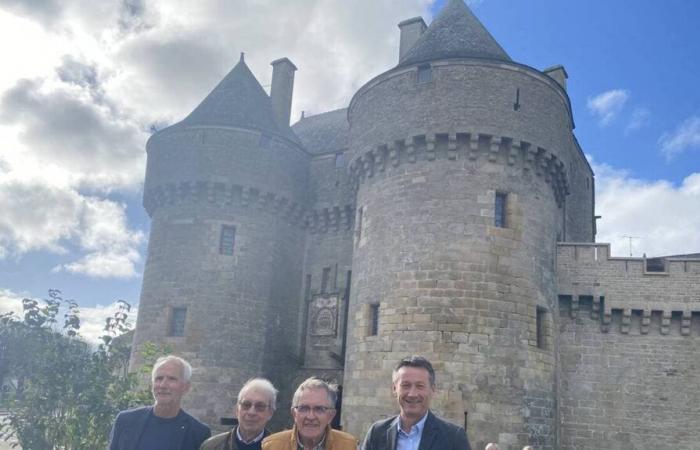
x,y
223,190
459,156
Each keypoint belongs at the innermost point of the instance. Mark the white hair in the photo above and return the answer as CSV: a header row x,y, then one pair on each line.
x,y
314,383
186,367
491,446
262,385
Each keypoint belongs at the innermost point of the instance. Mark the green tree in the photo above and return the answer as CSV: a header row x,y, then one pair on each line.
x,y
64,393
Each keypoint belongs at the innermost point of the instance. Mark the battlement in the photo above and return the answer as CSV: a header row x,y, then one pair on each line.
x,y
630,293
639,319
469,146
223,195
332,218
320,220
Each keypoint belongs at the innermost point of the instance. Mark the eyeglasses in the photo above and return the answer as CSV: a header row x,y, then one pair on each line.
x,y
318,410
258,406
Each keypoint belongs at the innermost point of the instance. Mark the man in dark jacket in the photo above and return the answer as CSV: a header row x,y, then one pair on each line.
x,y
163,426
415,427
257,401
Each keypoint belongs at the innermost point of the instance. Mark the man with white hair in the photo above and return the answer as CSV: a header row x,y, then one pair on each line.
x,y
163,426
257,401
491,446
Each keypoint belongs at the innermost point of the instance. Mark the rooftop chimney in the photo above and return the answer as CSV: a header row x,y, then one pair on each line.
x,y
559,74
281,91
411,30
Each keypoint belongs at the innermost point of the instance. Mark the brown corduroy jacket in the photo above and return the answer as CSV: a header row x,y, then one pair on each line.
x,y
287,440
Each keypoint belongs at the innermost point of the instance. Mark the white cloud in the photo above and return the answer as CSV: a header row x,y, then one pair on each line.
x,y
607,105
112,246
10,302
37,217
686,136
92,319
640,118
662,218
69,127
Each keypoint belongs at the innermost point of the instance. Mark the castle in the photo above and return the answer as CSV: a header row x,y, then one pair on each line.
x,y
448,211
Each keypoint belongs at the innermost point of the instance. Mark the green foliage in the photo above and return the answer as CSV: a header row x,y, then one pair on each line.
x,y
64,393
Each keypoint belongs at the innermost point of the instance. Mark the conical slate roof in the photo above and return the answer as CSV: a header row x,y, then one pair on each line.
x,y
237,101
454,33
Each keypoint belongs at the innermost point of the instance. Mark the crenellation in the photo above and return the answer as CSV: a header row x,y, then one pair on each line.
x,y
429,142
515,151
425,148
685,322
452,143
494,148
410,147
473,146
394,153
634,319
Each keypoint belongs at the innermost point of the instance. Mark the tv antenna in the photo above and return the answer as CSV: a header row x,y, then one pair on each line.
x,y
629,238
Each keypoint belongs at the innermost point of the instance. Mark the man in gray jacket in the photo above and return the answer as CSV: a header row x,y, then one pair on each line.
x,y
415,428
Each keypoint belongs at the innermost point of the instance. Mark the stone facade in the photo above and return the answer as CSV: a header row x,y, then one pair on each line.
x,y
449,212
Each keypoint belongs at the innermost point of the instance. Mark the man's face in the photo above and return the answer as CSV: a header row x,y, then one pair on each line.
x,y
253,411
168,385
312,424
413,391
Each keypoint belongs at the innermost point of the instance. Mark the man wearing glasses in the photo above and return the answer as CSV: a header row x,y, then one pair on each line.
x,y
313,409
256,403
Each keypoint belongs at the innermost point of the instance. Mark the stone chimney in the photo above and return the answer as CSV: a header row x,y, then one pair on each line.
x,y
559,74
281,90
411,30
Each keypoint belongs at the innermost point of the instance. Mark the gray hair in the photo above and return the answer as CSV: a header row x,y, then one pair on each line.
x,y
186,367
491,446
528,447
262,385
314,383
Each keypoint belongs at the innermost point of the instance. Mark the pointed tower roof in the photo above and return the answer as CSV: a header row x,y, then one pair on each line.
x,y
237,101
454,33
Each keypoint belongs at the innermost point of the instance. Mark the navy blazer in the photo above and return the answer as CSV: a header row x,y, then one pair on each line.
x,y
129,426
437,435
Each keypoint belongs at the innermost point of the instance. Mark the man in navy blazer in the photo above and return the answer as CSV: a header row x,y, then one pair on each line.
x,y
416,427
163,426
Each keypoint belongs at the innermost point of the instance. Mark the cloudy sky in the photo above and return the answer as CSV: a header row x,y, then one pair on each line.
x,y
83,83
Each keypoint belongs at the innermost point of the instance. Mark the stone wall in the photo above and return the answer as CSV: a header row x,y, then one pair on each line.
x,y
628,390
629,346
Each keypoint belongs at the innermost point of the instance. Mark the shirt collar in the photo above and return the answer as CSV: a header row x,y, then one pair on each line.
x,y
319,446
418,427
255,439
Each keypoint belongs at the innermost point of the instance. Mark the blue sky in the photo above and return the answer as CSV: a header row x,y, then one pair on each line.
x,y
84,81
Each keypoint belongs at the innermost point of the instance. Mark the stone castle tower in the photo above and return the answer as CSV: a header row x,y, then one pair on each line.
x,y
447,211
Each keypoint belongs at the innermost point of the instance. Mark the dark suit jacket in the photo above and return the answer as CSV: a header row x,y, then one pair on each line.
x,y
437,435
130,424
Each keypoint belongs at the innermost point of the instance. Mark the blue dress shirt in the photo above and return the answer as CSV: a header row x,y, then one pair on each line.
x,y
410,440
